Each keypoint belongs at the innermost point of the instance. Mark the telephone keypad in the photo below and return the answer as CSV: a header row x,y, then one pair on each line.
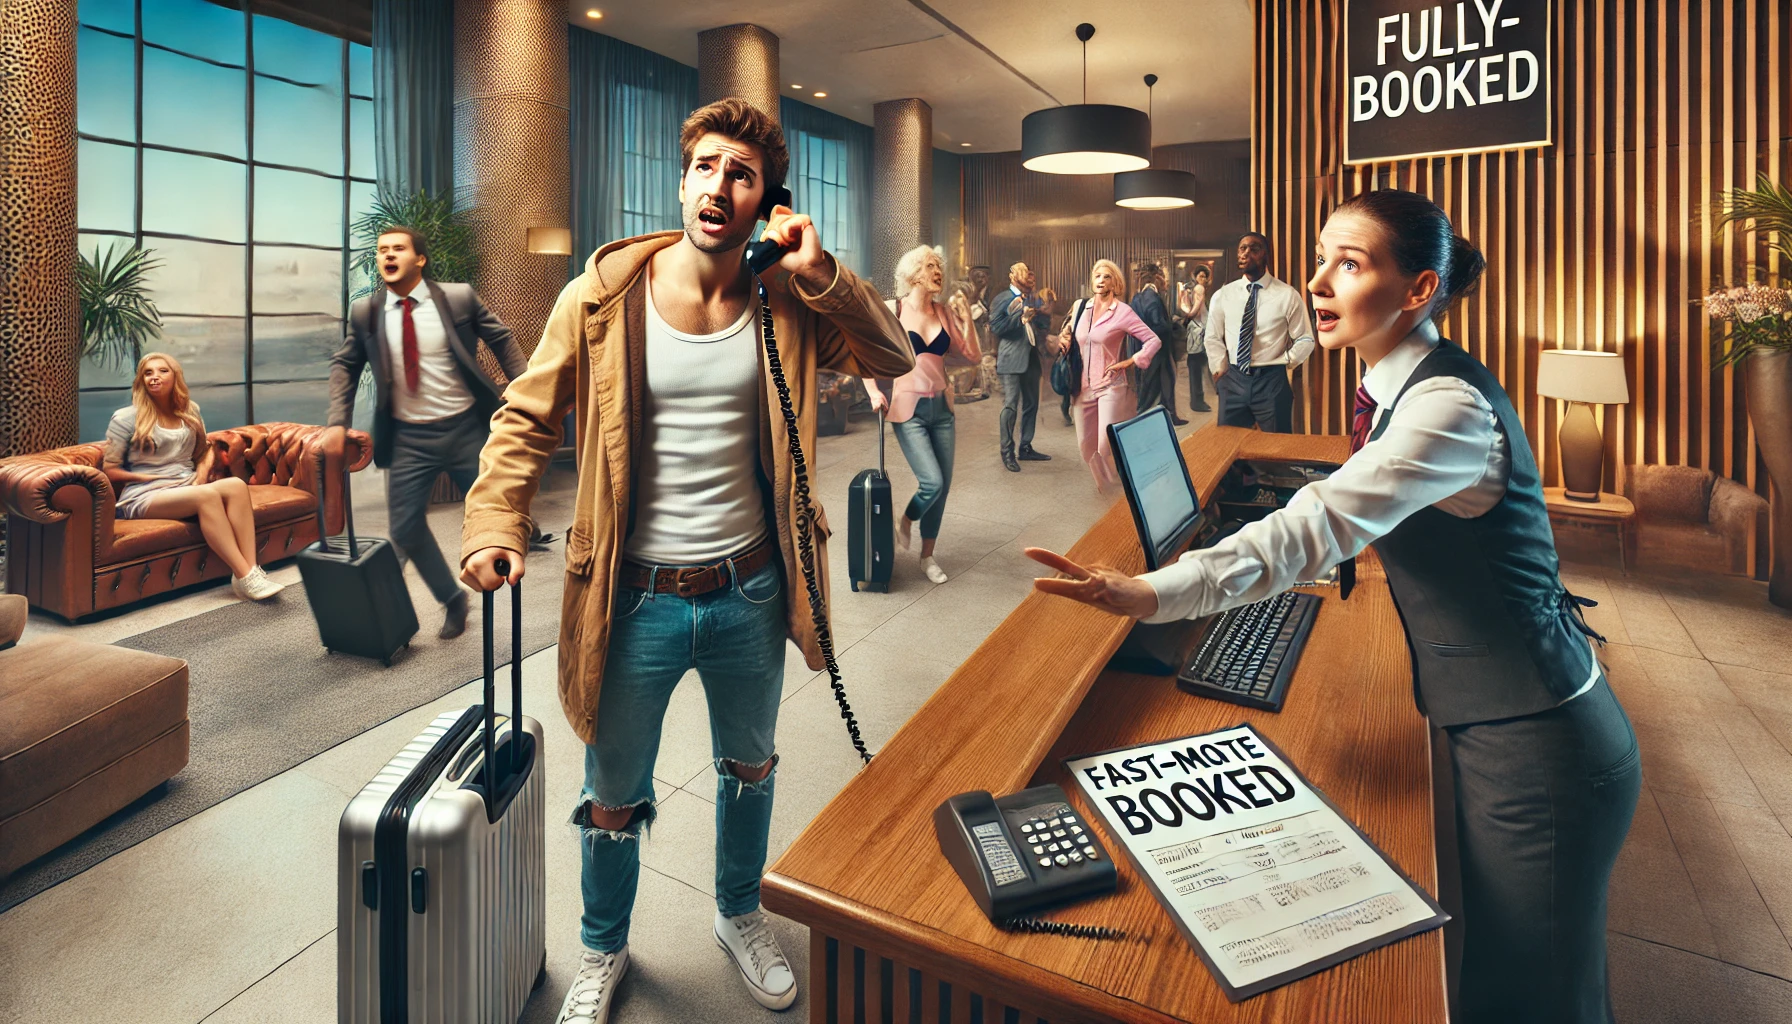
x,y
1058,839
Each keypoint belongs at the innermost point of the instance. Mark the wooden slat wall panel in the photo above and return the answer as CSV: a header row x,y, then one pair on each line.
x,y
1603,240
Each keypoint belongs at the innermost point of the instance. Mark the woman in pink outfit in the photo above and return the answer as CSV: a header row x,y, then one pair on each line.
x,y
1100,325
920,403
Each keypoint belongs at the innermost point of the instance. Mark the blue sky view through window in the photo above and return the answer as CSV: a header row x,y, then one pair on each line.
x,y
245,195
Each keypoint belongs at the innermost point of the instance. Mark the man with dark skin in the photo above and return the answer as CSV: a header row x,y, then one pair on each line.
x,y
1022,325
1257,330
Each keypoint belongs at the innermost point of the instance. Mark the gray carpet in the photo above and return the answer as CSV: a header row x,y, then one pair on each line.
x,y
265,696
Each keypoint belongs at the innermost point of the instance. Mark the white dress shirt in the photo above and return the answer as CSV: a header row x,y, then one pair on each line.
x,y
1284,335
441,391
1442,447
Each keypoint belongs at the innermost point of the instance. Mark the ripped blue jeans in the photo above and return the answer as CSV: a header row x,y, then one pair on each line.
x,y
735,639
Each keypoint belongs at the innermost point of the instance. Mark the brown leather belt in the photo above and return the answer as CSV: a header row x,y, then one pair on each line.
x,y
695,580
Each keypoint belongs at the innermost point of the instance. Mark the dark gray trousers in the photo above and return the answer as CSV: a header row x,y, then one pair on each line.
x,y
1197,369
1261,398
421,452
1543,804
1020,400
1157,382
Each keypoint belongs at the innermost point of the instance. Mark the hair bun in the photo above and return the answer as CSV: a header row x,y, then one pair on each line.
x,y
1466,265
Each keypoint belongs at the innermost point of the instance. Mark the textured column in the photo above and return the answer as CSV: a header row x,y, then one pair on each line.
x,y
738,60
40,321
901,184
510,151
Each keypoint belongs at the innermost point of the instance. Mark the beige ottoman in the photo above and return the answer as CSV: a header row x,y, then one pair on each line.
x,y
84,730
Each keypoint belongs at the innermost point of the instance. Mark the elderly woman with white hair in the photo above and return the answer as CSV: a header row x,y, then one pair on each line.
x,y
919,405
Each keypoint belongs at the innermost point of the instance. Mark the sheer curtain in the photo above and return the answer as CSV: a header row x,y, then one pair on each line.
x,y
413,90
830,179
626,107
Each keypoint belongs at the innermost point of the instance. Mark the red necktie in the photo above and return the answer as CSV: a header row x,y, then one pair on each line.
x,y
1363,421
413,370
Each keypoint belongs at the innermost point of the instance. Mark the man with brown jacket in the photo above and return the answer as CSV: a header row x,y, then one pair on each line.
x,y
683,548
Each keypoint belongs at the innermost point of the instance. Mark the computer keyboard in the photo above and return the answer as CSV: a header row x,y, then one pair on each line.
x,y
1248,654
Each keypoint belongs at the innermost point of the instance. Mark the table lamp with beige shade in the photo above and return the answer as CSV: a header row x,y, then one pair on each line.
x,y
1582,378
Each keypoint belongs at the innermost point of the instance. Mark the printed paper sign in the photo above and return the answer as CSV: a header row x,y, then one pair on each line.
x,y
1256,867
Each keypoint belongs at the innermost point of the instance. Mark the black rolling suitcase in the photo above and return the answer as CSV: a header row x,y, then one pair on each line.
x,y
871,525
357,594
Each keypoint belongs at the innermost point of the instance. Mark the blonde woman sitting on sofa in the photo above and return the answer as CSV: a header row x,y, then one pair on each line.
x,y
156,457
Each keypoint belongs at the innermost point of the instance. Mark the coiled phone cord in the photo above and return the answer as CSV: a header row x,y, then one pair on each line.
x,y
805,519
1035,926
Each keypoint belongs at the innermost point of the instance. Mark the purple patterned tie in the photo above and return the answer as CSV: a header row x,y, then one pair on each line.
x,y
1364,420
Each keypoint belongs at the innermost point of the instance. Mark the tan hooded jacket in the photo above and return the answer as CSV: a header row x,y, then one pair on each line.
x,y
592,359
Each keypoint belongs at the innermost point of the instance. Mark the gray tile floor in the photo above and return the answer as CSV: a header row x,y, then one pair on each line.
x,y
230,915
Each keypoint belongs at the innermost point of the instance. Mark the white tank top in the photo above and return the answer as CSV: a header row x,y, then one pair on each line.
x,y
698,496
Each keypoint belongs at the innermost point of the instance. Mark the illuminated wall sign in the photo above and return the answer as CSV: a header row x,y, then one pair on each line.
x,y
1423,79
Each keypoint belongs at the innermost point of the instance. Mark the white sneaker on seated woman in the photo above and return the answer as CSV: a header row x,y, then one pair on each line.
x,y
156,457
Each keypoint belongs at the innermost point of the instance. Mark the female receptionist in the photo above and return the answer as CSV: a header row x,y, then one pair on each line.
x,y
1442,482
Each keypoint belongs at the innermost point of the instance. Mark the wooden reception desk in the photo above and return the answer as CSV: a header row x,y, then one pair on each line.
x,y
895,935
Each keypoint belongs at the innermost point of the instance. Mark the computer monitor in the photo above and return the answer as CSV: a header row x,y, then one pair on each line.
x,y
1155,477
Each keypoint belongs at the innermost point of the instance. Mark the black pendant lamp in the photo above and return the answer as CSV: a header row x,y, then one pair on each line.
x,y
1154,188
1085,138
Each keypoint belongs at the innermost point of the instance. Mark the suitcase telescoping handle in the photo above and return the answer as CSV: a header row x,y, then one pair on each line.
x,y
880,445
502,568
348,506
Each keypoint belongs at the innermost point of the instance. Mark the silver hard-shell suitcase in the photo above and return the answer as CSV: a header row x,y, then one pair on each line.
x,y
441,879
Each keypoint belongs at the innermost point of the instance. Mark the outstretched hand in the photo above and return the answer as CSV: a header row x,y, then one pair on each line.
x,y
1100,587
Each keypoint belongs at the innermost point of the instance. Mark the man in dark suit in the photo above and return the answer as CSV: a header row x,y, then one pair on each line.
x,y
1022,328
434,402
1157,385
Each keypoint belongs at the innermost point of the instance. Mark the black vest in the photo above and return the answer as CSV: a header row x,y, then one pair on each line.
x,y
1493,632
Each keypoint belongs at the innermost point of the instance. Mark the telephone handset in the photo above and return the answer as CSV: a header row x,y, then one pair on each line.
x,y
762,254
1022,853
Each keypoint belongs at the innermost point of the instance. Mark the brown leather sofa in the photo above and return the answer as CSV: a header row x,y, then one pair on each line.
x,y
1695,519
85,729
68,553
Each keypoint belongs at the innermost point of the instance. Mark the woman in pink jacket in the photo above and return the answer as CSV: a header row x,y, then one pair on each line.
x,y
920,402
1100,326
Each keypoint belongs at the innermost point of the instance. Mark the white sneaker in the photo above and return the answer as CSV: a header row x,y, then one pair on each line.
x,y
933,570
749,940
256,586
588,1001
903,529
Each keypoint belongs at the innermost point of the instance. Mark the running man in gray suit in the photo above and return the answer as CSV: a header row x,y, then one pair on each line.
x,y
434,403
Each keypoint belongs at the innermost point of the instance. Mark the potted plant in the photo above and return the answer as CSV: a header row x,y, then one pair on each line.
x,y
441,218
1755,321
118,318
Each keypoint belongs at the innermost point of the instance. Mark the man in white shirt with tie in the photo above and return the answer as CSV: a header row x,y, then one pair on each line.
x,y
433,401
1257,328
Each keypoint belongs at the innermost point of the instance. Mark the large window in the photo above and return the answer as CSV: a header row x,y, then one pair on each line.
x,y
830,178
239,147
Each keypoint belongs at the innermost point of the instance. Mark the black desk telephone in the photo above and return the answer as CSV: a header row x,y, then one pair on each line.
x,y
1024,852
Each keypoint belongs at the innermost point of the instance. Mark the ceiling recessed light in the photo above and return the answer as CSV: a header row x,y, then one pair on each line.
x,y
793,85
594,14
821,95
965,145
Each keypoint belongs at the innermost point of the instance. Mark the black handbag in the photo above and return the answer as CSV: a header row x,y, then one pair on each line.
x,y
1067,372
